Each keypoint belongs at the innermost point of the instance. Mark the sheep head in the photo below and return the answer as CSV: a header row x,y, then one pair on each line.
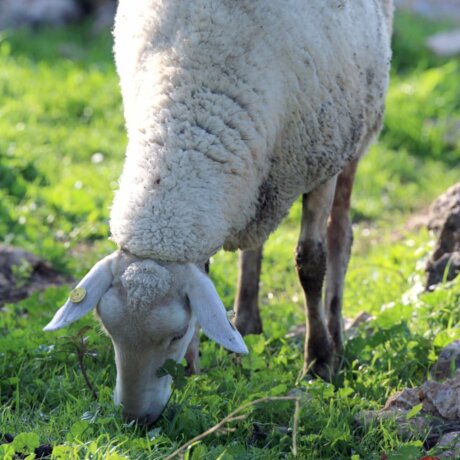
x,y
150,311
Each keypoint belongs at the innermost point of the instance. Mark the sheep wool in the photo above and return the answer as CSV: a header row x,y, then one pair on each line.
x,y
233,109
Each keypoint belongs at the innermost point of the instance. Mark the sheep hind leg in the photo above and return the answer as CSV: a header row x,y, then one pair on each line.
x,y
192,355
247,319
340,238
311,261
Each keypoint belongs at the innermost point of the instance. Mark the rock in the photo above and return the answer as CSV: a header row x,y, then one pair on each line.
x,y
17,13
22,273
450,445
445,44
296,332
448,362
447,267
419,425
104,16
445,223
442,207
432,9
442,398
439,412
351,326
12,256
450,127
403,400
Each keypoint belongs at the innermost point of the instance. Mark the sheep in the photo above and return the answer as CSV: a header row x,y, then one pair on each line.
x,y
233,109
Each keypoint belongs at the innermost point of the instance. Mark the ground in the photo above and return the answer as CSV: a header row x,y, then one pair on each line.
x,y
62,141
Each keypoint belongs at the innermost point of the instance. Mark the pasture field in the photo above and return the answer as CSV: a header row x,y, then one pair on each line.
x,y
62,143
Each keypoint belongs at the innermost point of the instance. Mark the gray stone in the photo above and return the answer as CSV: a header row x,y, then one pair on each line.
x,y
432,9
448,362
442,398
17,13
439,411
450,446
445,223
445,43
104,16
352,326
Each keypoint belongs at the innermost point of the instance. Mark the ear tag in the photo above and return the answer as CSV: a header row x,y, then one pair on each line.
x,y
77,295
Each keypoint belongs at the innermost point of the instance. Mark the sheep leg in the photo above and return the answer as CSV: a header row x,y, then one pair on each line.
x,y
311,261
192,355
339,239
246,307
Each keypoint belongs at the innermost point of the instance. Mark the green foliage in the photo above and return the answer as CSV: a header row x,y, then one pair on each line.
x,y
61,139
22,273
26,442
409,36
61,147
423,114
176,371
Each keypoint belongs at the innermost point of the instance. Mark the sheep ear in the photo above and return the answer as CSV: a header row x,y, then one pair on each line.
x,y
85,296
210,312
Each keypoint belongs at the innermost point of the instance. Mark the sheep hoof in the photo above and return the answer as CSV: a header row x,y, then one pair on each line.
x,y
192,368
324,365
249,325
324,370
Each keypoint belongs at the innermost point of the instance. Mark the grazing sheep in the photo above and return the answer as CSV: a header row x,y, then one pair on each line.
x,y
233,110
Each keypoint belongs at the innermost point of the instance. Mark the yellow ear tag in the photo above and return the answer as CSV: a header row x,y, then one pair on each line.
x,y
77,294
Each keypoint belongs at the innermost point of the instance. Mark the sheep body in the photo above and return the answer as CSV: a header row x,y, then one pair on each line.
x,y
233,109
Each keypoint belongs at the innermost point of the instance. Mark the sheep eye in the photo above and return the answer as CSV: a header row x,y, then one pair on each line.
x,y
179,336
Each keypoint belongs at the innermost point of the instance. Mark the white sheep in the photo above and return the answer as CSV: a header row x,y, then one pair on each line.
x,y
233,110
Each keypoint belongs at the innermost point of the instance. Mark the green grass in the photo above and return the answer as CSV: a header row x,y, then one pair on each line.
x,y
59,106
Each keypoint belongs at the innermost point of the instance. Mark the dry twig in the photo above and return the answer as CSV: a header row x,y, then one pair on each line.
x,y
80,358
295,427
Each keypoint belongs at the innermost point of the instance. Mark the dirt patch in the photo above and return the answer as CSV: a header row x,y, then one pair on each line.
x,y
22,273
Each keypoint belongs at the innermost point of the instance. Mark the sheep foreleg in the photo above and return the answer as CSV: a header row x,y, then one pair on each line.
x,y
246,307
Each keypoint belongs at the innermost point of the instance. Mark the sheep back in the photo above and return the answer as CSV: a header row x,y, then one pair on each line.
x,y
233,109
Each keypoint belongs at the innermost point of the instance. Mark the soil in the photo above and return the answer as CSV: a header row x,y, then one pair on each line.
x,y
22,273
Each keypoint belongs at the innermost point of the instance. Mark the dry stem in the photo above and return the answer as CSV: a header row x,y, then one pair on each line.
x,y
80,357
233,416
295,427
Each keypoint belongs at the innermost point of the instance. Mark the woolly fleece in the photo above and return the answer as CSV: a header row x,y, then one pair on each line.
x,y
145,281
233,109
